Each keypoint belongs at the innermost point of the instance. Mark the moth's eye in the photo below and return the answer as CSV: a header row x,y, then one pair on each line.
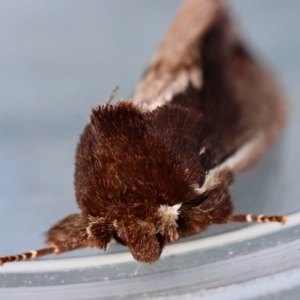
x,y
195,202
118,239
161,241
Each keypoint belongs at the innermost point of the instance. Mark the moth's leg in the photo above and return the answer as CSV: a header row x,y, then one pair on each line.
x,y
257,218
214,208
66,235
69,234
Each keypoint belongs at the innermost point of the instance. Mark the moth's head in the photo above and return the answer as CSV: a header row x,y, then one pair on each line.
x,y
134,168
145,237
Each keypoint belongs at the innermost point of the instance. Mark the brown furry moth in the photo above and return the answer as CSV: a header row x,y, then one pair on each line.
x,y
157,167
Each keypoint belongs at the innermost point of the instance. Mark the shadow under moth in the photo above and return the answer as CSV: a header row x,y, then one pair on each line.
x,y
158,166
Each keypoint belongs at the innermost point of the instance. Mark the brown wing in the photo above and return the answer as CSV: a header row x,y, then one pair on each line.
x,y
202,64
177,60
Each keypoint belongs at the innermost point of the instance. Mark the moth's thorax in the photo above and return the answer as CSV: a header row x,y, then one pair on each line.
x,y
134,169
131,161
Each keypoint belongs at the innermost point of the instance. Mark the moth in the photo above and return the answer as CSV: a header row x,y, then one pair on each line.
x,y
157,167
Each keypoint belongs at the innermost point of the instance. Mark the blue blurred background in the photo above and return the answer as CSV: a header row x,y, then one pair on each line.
x,y
60,58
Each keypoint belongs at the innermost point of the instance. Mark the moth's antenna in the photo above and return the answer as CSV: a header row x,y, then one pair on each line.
x,y
28,255
257,219
111,96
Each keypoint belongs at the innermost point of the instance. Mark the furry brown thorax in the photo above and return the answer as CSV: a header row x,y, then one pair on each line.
x,y
134,169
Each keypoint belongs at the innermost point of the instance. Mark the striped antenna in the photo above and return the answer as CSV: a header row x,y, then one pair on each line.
x,y
257,219
28,255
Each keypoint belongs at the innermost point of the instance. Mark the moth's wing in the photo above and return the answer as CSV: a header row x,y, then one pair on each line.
x,y
177,61
202,64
